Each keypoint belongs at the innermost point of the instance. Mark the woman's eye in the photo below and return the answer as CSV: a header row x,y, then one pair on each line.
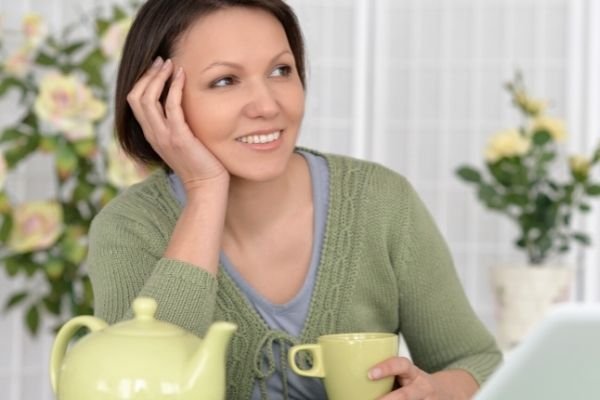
x,y
223,82
282,70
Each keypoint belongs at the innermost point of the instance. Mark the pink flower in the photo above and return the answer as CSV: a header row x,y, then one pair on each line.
x,y
36,226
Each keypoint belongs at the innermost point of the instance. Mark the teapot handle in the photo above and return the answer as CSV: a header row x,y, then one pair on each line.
x,y
62,341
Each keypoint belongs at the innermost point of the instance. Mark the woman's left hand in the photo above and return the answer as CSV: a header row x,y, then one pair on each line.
x,y
415,384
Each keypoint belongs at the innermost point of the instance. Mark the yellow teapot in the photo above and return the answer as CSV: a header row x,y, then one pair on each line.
x,y
139,359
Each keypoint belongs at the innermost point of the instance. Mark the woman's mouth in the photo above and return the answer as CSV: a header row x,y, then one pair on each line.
x,y
260,138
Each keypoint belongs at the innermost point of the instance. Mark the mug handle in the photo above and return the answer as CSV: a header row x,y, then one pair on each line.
x,y
317,370
62,341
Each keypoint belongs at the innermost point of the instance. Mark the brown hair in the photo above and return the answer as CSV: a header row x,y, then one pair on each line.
x,y
155,31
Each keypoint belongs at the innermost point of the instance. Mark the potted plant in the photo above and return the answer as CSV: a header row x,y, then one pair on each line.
x,y
58,88
529,180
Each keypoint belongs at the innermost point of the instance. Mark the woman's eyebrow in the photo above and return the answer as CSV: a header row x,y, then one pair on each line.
x,y
239,66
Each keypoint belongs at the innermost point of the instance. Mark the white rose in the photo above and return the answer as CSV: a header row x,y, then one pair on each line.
x,y
507,143
68,105
554,126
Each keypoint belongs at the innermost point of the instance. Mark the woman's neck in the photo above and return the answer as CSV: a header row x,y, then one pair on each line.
x,y
254,207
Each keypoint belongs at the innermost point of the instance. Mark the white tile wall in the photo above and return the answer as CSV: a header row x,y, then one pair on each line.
x,y
413,84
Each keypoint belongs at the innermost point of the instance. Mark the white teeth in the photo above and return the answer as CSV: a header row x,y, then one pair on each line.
x,y
252,139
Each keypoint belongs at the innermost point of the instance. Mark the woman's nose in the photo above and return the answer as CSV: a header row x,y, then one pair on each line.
x,y
262,102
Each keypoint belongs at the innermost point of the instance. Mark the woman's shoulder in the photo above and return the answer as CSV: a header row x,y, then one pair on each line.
x,y
361,172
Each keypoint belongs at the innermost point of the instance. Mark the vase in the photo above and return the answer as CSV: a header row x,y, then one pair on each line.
x,y
524,294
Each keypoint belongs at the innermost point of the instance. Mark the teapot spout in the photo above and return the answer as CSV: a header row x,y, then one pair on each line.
x,y
207,365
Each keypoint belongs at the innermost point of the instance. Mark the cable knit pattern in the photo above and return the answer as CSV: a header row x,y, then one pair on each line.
x,y
384,267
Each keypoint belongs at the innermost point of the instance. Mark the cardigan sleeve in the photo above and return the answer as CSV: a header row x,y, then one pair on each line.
x,y
441,329
125,261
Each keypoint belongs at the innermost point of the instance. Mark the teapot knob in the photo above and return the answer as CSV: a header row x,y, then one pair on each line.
x,y
144,308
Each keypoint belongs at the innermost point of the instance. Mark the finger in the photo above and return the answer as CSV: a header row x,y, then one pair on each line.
x,y
150,103
140,86
405,393
401,367
173,104
134,96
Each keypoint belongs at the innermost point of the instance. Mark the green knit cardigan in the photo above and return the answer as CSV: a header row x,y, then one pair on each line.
x,y
384,267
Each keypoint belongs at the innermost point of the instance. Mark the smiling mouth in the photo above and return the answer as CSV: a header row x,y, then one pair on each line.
x,y
260,139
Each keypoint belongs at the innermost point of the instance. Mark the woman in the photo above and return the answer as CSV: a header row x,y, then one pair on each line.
x,y
241,225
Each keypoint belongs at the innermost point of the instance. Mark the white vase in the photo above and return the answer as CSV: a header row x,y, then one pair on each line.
x,y
524,294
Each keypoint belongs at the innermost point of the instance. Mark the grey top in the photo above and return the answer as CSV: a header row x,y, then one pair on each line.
x,y
287,317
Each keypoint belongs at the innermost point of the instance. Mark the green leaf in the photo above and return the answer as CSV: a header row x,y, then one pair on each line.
x,y
517,199
6,227
32,318
66,160
469,174
102,26
11,134
83,190
582,238
593,190
21,150
15,300
490,197
541,137
8,83
119,13
45,59
585,207
52,305
92,66
547,156
73,47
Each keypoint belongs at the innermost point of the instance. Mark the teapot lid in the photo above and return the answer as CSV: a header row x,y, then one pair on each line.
x,y
144,323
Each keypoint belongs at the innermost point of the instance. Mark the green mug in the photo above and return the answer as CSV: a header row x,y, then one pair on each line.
x,y
344,360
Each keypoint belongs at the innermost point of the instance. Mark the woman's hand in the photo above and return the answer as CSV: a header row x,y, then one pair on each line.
x,y
416,384
166,130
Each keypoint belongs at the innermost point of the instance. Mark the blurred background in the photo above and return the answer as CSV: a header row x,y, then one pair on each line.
x,y
416,85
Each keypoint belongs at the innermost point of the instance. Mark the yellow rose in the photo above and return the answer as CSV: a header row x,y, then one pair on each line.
x,y
529,105
68,105
18,63
113,40
3,170
36,226
34,29
580,166
122,170
554,126
507,143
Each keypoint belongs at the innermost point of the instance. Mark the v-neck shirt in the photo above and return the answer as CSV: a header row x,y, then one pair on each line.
x,y
291,316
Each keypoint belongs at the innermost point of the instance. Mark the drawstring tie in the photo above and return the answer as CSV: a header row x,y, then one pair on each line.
x,y
265,364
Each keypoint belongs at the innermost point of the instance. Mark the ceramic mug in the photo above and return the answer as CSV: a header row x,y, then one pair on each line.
x,y
344,360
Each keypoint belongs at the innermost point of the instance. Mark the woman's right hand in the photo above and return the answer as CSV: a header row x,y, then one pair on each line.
x,y
167,131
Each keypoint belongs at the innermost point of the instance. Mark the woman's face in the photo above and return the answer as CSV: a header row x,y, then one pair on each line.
x,y
243,97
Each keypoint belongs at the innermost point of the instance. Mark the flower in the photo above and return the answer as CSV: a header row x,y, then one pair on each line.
x,y
2,171
529,105
554,126
122,170
518,181
580,166
34,29
68,105
508,143
114,38
63,80
19,63
37,225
